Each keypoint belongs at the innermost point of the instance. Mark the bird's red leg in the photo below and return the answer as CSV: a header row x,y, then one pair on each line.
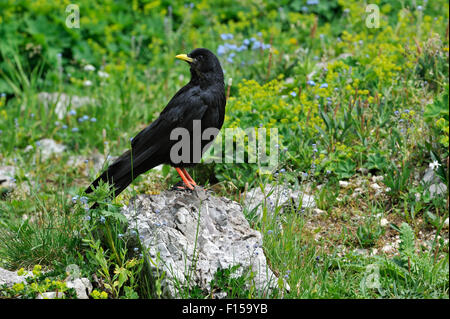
x,y
189,178
185,180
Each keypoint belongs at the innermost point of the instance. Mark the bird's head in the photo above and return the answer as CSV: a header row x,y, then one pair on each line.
x,y
204,64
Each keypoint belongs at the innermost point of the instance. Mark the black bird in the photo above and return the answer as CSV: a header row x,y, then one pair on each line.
x,y
201,101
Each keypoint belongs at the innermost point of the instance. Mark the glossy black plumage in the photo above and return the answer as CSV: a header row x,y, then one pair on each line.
x,y
203,98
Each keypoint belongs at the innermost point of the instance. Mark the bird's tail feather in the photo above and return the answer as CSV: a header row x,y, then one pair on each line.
x,y
119,174
123,171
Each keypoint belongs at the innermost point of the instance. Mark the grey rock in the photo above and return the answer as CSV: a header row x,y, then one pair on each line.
x,y
273,196
437,189
47,147
63,102
430,177
7,174
435,186
82,286
9,278
195,234
344,184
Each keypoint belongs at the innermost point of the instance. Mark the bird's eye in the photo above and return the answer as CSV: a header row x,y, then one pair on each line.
x,y
200,57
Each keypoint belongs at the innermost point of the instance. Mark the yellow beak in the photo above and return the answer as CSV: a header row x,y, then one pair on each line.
x,y
185,58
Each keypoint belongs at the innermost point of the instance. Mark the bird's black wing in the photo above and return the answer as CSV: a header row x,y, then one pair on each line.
x,y
187,105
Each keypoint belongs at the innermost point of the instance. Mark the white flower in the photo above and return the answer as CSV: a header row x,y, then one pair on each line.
x,y
89,67
87,83
434,165
103,74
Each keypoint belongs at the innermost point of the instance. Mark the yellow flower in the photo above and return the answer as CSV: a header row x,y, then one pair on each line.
x,y
18,287
21,272
37,270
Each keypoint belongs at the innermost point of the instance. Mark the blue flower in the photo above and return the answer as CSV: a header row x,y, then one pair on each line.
x,y
246,42
241,48
305,175
102,219
257,45
226,36
231,47
93,119
221,50
75,129
312,2
324,85
266,46
72,112
293,94
282,170
269,231
311,83
64,126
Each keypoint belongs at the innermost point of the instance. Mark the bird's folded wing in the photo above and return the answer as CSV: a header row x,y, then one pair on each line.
x,y
180,112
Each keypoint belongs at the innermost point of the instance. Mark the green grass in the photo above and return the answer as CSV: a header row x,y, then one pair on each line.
x,y
377,106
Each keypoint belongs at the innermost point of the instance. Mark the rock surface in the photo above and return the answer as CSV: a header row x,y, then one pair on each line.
x,y
47,147
277,195
9,278
82,286
195,234
435,185
63,101
7,177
